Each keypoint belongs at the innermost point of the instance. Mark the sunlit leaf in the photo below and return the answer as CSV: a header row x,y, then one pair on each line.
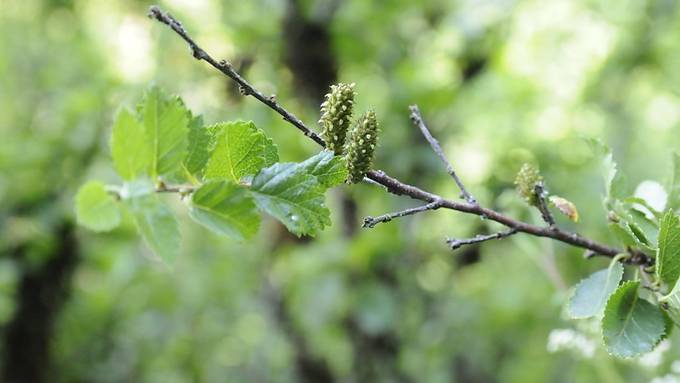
x,y
165,121
130,148
96,209
241,149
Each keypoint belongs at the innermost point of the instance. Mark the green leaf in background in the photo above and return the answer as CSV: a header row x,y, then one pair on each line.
x,y
96,209
631,325
668,253
130,147
288,193
241,149
199,147
165,122
591,294
225,208
673,186
624,233
157,225
329,169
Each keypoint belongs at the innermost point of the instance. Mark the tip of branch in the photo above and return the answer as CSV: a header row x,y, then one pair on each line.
x,y
154,12
369,223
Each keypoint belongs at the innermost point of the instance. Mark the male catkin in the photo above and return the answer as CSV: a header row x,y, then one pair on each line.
x,y
336,116
361,147
527,179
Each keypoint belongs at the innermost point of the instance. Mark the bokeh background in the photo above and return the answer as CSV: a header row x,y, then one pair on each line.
x,y
500,82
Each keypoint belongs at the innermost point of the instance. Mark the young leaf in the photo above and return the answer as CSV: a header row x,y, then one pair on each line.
x,y
96,209
199,146
288,193
241,149
165,122
329,169
225,208
591,294
565,207
631,325
615,181
673,201
668,253
157,225
130,148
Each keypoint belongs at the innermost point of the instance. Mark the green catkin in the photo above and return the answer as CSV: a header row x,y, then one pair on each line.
x,y
527,179
361,147
336,116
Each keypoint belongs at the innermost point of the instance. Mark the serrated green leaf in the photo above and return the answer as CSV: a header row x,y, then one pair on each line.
x,y
241,150
130,147
673,201
157,225
96,209
591,294
288,193
225,208
327,167
668,253
631,325
199,146
165,123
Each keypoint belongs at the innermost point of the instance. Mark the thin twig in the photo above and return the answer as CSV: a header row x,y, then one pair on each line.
x,y
370,222
539,189
458,243
417,119
226,68
393,185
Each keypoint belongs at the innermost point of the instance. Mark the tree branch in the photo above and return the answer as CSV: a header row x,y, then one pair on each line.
x,y
417,119
370,222
458,243
393,185
539,189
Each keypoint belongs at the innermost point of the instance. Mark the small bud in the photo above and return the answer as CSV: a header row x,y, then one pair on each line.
x,y
336,114
527,179
360,150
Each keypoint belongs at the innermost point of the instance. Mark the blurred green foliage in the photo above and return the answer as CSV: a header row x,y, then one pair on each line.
x,y
500,83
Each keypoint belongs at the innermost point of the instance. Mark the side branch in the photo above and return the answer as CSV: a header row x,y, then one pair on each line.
x,y
370,222
458,243
391,184
417,119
